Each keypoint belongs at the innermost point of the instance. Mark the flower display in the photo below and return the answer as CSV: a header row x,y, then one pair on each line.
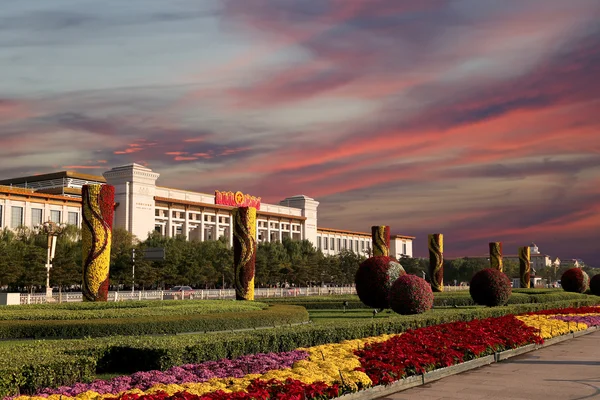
x,y
411,295
595,285
524,266
490,287
575,280
436,261
496,256
374,278
380,236
97,210
244,251
330,370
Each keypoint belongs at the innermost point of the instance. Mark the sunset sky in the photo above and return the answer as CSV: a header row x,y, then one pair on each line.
x,y
479,119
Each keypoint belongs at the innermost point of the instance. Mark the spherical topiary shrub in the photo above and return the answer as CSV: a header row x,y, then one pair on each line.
x,y
595,285
490,287
575,280
411,295
374,279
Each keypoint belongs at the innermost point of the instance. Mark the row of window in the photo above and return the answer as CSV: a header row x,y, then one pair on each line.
x,y
17,213
347,244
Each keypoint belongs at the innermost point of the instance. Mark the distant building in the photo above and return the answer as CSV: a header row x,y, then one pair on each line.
x,y
143,207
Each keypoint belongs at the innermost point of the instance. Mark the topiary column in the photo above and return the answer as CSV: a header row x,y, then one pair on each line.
x,y
244,251
436,261
524,266
96,234
496,256
380,235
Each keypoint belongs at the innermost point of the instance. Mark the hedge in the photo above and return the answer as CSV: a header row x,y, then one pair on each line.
x,y
151,325
104,310
445,299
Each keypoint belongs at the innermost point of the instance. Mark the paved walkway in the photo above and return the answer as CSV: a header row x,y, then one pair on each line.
x,y
564,371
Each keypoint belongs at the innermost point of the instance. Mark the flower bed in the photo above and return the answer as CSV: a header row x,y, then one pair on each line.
x,y
330,370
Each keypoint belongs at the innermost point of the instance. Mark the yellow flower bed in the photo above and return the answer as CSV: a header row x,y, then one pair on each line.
x,y
550,327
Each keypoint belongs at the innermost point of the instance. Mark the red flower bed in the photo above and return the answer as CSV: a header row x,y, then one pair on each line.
x,y
425,349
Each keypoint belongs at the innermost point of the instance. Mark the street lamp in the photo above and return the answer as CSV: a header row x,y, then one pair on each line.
x,y
52,230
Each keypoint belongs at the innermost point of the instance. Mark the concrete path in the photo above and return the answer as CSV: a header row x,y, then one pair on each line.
x,y
564,371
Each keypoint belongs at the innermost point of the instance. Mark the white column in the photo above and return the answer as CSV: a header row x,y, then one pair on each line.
x,y
280,231
170,222
202,225
186,224
268,229
64,215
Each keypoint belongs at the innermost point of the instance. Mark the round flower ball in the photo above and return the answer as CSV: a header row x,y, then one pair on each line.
x,y
490,287
595,285
575,280
374,279
410,295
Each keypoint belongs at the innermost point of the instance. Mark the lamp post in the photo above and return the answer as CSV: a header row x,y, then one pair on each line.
x,y
52,230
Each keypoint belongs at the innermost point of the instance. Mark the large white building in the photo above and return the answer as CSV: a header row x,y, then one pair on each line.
x,y
143,207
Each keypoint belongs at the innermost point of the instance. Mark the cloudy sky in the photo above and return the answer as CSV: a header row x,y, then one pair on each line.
x,y
478,119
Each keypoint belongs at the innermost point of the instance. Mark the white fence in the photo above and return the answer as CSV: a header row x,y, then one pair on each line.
x,y
203,294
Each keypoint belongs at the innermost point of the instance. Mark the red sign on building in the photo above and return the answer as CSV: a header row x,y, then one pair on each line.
x,y
237,199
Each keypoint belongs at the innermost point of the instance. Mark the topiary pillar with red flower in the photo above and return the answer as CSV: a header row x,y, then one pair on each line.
x,y
524,266
97,210
380,236
496,256
575,280
244,251
436,261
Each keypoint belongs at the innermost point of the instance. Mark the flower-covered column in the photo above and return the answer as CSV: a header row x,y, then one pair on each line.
x,y
436,261
244,251
380,235
97,210
496,256
524,266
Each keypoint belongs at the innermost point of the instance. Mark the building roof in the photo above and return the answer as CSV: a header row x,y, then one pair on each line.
x,y
7,191
346,232
52,175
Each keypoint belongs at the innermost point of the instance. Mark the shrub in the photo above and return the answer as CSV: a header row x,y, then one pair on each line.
x,y
595,285
490,287
374,279
410,295
575,280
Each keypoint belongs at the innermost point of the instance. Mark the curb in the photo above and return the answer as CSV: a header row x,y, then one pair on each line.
x,y
418,380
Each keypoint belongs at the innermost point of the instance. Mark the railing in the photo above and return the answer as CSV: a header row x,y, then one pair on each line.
x,y
199,294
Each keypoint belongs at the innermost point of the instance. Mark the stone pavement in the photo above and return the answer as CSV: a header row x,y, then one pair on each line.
x,y
563,371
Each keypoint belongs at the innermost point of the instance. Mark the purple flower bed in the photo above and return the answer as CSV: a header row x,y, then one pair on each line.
x,y
589,320
196,373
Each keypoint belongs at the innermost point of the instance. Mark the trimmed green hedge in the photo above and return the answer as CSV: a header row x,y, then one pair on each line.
x,y
444,299
129,354
151,325
129,309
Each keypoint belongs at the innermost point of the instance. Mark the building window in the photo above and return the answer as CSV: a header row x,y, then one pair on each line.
x,y
319,242
326,243
356,246
332,244
36,216
73,218
55,216
362,245
16,217
158,228
404,248
339,244
345,244
1,215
